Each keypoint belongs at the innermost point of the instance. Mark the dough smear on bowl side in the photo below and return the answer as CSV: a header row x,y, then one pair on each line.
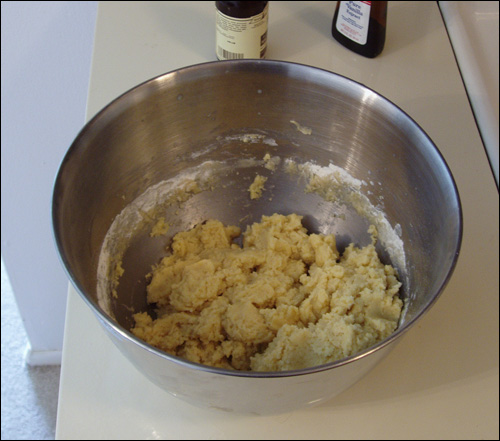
x,y
284,300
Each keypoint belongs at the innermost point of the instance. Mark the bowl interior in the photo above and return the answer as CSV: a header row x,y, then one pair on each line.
x,y
213,124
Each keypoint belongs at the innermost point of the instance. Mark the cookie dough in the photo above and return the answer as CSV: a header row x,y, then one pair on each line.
x,y
160,228
257,187
285,300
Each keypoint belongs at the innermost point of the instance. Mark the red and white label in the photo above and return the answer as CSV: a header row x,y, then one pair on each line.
x,y
353,20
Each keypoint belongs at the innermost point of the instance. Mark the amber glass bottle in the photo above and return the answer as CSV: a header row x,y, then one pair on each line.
x,y
360,26
241,29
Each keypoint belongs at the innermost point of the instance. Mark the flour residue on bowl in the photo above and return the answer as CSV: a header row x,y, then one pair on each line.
x,y
146,210
335,184
251,138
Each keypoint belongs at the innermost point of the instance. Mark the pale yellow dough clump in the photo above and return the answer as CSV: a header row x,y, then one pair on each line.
x,y
286,300
257,187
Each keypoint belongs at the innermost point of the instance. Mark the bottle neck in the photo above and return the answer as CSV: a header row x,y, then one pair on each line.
x,y
243,9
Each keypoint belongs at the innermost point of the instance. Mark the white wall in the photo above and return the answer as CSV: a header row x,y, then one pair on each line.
x,y
46,58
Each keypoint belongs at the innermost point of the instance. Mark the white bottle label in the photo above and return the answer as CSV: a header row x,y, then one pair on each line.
x,y
353,20
238,38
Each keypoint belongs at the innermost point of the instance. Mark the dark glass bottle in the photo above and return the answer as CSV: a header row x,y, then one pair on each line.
x,y
360,26
241,29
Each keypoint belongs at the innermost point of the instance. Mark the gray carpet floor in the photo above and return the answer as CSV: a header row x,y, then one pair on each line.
x,y
29,394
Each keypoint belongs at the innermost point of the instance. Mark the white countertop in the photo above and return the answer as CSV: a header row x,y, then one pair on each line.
x,y
441,381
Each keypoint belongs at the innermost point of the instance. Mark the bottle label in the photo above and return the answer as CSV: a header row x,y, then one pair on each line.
x,y
353,20
238,38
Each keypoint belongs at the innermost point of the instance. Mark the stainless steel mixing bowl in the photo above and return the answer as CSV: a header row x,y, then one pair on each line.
x,y
194,115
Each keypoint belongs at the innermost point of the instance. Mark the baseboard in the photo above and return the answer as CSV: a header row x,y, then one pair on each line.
x,y
41,358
